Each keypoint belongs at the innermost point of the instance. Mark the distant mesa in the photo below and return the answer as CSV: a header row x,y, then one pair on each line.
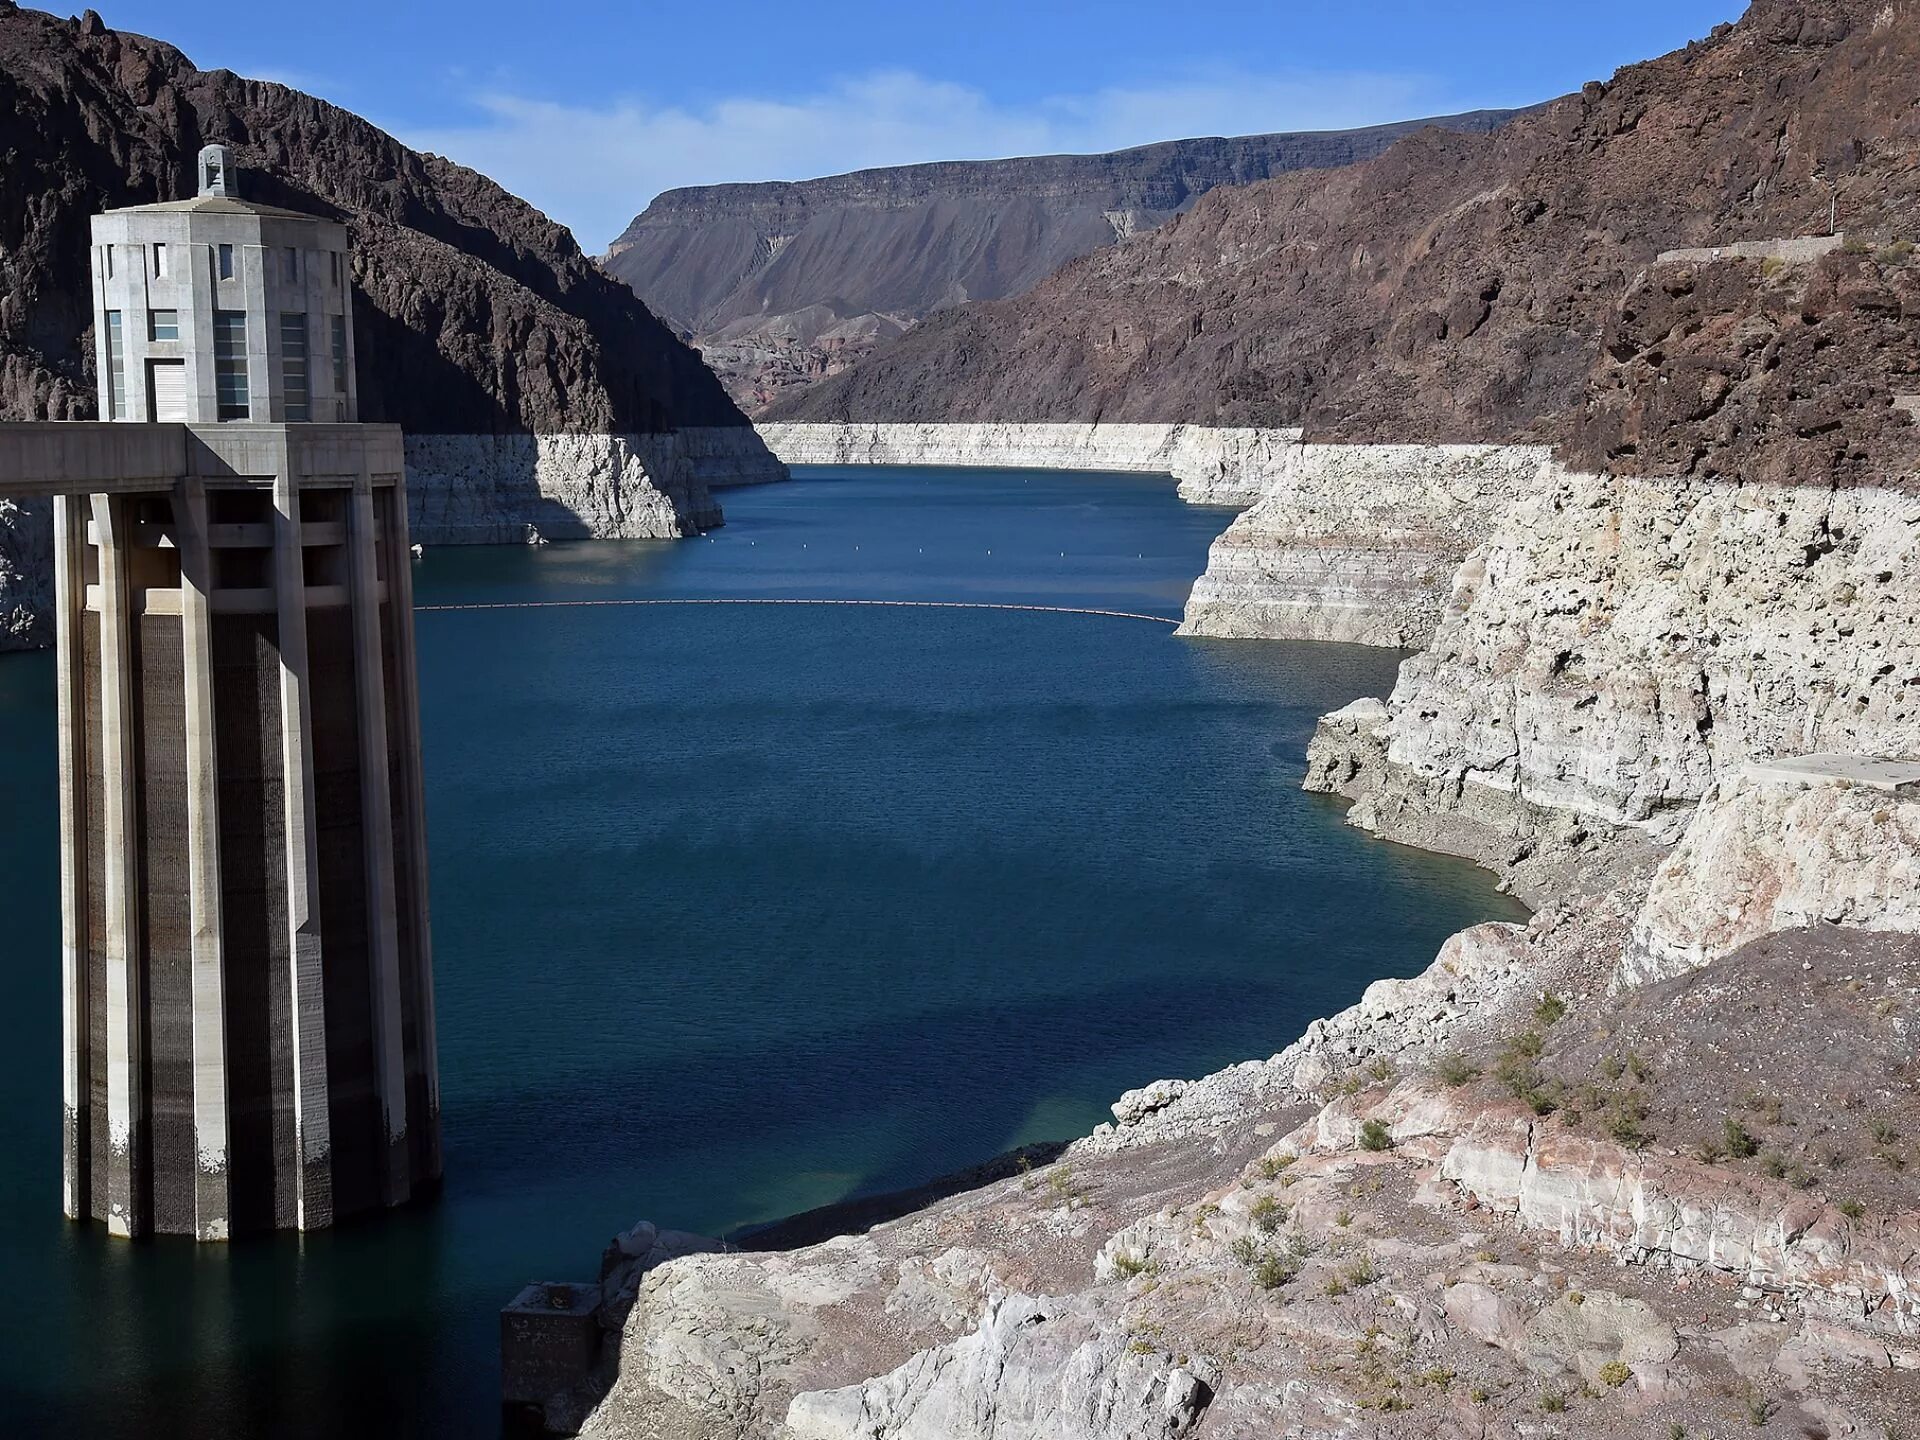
x,y
783,284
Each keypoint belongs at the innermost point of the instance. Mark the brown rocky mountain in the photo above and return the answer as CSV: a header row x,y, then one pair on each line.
x,y
1470,287
782,284
538,394
477,314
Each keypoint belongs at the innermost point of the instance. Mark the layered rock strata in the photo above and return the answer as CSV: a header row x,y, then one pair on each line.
x,y
1621,646
1354,543
505,489
1357,543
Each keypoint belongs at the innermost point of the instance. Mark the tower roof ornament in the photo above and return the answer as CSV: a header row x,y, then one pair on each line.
x,y
216,171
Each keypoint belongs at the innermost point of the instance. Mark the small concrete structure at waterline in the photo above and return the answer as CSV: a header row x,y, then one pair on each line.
x,y
247,996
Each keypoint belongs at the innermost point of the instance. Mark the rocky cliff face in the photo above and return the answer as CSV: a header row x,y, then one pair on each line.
x,y
1620,647
1459,288
477,316
1357,543
783,284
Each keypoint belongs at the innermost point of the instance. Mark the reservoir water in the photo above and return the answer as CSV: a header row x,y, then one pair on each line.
x,y
740,910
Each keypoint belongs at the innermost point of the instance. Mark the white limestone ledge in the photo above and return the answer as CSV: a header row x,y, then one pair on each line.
x,y
1213,465
1357,543
1831,840
509,489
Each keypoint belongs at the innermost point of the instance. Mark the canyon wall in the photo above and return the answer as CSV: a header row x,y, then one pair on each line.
x,y
504,489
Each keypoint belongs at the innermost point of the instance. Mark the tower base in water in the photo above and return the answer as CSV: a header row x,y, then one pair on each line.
x,y
247,978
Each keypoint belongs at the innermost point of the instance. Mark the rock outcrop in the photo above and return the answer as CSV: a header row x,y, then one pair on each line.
x,y
785,283
1621,646
1767,853
1354,543
1357,543
26,576
480,323
1423,1237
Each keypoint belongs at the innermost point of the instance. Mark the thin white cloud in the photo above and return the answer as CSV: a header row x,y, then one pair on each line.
x,y
594,167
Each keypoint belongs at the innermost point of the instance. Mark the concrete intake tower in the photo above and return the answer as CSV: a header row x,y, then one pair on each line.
x,y
248,992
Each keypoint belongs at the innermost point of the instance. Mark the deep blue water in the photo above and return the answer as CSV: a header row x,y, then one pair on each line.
x,y
739,911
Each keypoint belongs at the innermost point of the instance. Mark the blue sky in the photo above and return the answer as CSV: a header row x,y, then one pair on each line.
x,y
590,108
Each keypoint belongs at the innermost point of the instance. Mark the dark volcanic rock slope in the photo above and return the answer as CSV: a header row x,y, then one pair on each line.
x,y
536,391
1459,287
476,313
783,283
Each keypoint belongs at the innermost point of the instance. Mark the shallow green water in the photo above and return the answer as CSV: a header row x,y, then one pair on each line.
x,y
742,910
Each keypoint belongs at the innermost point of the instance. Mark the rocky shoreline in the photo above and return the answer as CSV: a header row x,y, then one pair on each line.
x,y
1641,1165
1351,543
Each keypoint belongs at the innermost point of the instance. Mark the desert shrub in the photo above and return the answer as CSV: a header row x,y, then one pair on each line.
x,y
1267,1213
1615,1373
1624,1128
1454,1070
1270,1272
1738,1142
1550,1010
1375,1136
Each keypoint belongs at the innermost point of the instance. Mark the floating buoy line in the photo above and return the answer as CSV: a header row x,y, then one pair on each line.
x,y
723,600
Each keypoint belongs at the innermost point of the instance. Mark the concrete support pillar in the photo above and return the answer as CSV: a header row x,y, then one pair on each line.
x,y
128,1207
406,713
376,810
212,1209
313,1144
70,590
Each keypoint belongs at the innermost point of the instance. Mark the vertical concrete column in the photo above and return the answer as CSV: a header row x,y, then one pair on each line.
x,y
70,591
376,826
313,1142
210,1128
127,1139
406,713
